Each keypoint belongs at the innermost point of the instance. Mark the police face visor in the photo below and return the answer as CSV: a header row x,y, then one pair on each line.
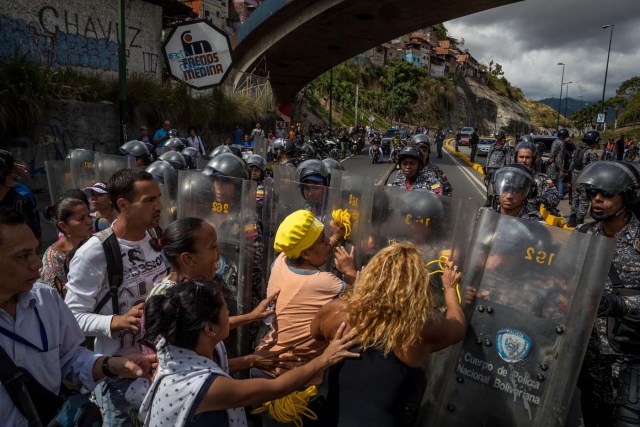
x,y
512,181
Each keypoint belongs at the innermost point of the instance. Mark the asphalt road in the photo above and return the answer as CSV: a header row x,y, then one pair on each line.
x,y
466,182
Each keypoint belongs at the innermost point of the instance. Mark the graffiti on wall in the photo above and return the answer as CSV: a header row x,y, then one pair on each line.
x,y
64,39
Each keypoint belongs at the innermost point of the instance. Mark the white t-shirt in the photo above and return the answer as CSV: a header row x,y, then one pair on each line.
x,y
143,266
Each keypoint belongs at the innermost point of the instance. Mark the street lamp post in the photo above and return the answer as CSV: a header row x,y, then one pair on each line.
x,y
560,102
606,71
566,101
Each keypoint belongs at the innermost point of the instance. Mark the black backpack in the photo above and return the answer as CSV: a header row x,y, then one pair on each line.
x,y
578,158
115,269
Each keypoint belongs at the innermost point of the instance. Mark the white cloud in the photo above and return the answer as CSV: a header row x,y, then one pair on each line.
x,y
529,38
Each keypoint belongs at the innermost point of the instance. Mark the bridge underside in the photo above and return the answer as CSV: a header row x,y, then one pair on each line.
x,y
307,37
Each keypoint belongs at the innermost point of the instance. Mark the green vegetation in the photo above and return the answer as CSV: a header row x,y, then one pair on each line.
x,y
26,90
541,114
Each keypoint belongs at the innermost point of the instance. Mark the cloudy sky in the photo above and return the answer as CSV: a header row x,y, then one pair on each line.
x,y
529,38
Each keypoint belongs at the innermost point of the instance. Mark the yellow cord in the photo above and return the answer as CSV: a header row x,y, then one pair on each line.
x,y
442,262
342,218
291,408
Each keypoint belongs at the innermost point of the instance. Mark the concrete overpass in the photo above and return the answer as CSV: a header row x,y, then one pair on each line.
x,y
301,39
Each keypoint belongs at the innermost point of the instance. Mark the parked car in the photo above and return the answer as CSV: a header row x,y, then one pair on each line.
x,y
483,145
388,136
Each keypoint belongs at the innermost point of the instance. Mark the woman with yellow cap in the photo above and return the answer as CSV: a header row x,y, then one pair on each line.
x,y
304,288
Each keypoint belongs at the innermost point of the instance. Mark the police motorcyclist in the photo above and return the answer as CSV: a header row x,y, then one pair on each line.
x,y
512,184
611,368
139,151
581,158
499,155
544,192
412,173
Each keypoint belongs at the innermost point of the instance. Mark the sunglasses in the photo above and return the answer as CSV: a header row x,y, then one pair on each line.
x,y
593,192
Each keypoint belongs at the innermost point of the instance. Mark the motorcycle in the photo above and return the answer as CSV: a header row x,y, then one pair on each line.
x,y
630,153
375,154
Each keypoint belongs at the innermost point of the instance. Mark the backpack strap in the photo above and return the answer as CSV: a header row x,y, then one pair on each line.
x,y
115,269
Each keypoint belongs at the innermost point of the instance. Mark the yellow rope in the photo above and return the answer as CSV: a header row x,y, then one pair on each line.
x,y
342,218
442,262
291,408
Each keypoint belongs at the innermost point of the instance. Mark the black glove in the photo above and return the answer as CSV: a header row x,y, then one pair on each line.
x,y
611,305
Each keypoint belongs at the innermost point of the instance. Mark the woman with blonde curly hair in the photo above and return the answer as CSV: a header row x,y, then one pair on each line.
x,y
393,311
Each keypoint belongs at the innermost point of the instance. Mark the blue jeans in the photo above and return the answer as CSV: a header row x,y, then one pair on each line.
x,y
114,407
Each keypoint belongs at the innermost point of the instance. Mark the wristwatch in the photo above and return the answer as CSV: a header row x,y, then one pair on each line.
x,y
105,368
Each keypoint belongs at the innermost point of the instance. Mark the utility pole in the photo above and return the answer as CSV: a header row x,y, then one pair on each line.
x,y
606,71
122,72
356,113
560,101
566,101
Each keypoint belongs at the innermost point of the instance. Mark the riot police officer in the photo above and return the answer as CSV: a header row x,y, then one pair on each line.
x,y
412,174
544,192
556,168
500,154
191,155
513,185
175,159
139,151
284,151
611,368
314,177
582,157
332,164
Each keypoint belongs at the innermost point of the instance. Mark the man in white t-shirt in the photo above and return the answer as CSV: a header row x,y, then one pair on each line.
x,y
136,196
257,131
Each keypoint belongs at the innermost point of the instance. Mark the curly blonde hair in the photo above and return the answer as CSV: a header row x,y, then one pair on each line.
x,y
391,300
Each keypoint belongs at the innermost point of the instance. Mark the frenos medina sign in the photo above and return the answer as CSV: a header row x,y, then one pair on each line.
x,y
198,54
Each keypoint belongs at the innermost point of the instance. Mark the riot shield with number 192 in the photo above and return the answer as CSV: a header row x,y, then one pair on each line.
x,y
531,299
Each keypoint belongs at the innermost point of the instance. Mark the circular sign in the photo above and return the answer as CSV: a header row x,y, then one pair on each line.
x,y
198,54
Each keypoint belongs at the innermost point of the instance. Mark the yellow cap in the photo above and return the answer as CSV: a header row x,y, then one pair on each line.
x,y
298,231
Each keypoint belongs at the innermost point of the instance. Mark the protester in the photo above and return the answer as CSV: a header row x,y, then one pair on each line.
x,y
72,219
397,325
136,197
194,140
104,214
162,134
49,344
11,199
192,385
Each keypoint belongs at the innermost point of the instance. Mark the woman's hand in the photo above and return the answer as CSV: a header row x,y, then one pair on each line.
x,y
265,308
345,261
451,277
338,347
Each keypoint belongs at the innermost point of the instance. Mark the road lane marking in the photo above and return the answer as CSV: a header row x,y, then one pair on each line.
x,y
477,184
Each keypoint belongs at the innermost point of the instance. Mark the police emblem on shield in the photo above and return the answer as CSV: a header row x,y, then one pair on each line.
x,y
512,345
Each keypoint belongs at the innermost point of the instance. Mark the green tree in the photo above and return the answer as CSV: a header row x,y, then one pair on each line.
x,y
629,88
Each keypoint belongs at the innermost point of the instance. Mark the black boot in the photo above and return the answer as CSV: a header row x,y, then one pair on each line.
x,y
580,220
573,221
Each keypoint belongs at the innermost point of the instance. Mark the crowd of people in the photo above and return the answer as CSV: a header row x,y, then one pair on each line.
x,y
188,290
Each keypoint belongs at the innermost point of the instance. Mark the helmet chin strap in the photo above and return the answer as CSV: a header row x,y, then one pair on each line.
x,y
601,218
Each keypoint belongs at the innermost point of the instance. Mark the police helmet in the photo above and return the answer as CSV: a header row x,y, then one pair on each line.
x,y
313,170
332,164
257,161
190,154
513,177
175,159
220,149
500,133
420,139
81,155
411,151
308,150
135,148
285,145
174,144
173,133
227,164
526,138
563,134
424,210
614,178
162,171
591,138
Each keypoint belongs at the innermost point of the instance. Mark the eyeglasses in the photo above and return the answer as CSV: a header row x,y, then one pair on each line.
x,y
593,192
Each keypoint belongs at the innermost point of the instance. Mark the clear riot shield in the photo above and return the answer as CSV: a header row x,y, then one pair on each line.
x,y
229,204
260,145
438,225
82,168
201,162
356,196
58,178
108,164
528,328
288,198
